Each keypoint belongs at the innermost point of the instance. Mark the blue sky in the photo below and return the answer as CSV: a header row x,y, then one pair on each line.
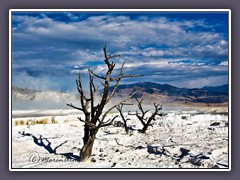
x,y
185,49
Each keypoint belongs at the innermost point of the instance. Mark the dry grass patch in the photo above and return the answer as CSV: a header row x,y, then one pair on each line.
x,y
43,121
31,122
53,120
73,125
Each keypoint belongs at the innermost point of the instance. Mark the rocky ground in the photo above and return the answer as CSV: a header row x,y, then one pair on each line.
x,y
181,139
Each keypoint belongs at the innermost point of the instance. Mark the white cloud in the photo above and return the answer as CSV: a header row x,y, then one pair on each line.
x,y
147,44
71,16
200,82
87,55
154,53
37,83
120,30
224,63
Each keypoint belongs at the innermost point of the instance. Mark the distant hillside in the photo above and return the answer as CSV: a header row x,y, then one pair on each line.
x,y
168,93
219,89
21,94
22,90
23,98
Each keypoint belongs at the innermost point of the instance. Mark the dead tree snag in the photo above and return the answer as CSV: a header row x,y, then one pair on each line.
x,y
94,112
119,108
146,121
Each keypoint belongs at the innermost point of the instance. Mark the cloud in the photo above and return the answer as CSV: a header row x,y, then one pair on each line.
x,y
161,48
71,16
118,31
44,82
224,63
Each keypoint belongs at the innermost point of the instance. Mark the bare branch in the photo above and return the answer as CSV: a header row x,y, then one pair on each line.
x,y
146,111
107,124
109,120
113,56
119,108
104,115
82,96
103,84
126,76
127,104
139,102
141,119
100,77
91,87
79,84
98,120
79,87
94,88
117,84
157,106
74,107
88,123
106,57
141,108
86,99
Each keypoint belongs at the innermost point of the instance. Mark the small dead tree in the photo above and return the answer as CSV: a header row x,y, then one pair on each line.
x,y
146,121
119,108
94,113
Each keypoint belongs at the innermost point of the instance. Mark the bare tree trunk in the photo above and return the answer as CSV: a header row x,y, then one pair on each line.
x,y
88,140
126,127
86,130
144,129
119,108
86,150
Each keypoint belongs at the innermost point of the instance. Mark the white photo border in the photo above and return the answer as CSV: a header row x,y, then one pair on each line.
x,y
117,10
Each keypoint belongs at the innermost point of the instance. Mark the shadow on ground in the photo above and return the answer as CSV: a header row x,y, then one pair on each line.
x,y
46,144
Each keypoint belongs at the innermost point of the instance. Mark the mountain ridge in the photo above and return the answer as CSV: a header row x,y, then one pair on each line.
x,y
206,94
148,90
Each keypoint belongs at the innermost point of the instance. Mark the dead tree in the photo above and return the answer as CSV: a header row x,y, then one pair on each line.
x,y
119,108
146,121
94,113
